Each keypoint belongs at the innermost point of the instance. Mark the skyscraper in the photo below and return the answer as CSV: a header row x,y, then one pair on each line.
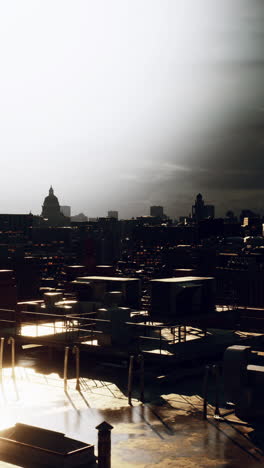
x,y
66,210
201,211
112,214
156,211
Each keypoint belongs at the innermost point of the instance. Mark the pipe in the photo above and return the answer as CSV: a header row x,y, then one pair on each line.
x,y
217,388
142,378
76,351
205,391
130,378
11,341
66,359
1,358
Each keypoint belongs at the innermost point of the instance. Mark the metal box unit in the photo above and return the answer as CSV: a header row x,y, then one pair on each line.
x,y
115,332
130,287
182,297
33,446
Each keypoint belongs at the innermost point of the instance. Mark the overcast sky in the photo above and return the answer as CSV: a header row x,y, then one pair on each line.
x,y
120,104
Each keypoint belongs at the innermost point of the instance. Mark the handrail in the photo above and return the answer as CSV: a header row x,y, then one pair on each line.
x,y
158,327
27,312
81,449
8,310
7,321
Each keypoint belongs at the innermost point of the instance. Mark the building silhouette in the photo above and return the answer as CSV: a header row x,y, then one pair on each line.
x,y
156,211
51,211
66,210
112,214
79,218
201,211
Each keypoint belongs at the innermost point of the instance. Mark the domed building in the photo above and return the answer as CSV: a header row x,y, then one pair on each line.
x,y
51,211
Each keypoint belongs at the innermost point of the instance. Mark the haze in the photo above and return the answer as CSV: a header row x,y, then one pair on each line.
x,y
120,104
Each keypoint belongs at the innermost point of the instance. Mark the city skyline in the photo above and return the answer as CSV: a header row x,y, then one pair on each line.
x,y
146,212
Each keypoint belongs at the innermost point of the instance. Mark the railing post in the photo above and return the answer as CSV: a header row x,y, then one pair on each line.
x,y
104,445
142,378
1,358
17,317
11,341
205,391
76,351
92,333
217,385
130,378
214,372
65,374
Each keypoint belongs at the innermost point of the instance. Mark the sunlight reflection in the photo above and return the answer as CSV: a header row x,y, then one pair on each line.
x,y
43,329
32,396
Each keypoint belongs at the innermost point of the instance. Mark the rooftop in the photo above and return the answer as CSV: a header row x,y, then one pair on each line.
x,y
105,278
183,279
168,430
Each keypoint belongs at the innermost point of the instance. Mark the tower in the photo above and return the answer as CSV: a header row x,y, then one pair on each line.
x,y
201,211
156,211
198,208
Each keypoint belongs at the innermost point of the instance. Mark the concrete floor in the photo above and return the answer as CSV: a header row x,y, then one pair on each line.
x,y
166,432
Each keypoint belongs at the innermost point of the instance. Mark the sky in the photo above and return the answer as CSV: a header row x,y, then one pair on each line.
x,y
124,104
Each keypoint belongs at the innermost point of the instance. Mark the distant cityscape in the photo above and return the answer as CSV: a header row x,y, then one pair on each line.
x,y
148,246
51,213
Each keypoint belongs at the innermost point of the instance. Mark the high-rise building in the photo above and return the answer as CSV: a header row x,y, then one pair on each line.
x,y
201,211
156,211
112,214
66,210
198,208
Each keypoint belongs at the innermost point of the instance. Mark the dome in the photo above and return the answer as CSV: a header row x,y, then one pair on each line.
x,y
51,205
51,200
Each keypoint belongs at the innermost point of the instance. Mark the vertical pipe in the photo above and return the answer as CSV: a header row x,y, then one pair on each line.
x,y
92,329
13,358
160,341
130,379
142,378
1,358
77,362
12,342
205,391
66,358
17,317
217,385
